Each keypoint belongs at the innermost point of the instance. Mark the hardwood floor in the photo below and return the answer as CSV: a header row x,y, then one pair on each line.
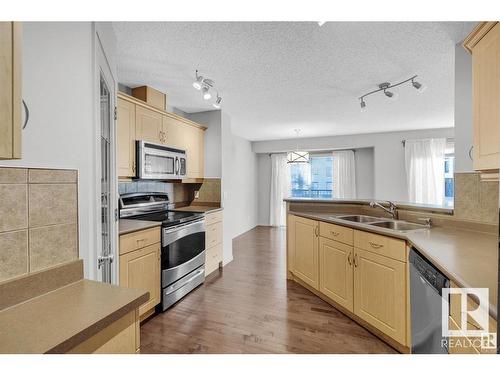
x,y
250,307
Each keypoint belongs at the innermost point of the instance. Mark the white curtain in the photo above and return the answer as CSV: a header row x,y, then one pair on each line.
x,y
344,174
280,189
424,159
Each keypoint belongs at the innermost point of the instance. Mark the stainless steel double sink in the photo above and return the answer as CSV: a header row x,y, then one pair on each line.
x,y
395,225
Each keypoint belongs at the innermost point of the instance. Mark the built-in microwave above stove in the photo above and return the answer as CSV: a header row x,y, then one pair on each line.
x,y
160,162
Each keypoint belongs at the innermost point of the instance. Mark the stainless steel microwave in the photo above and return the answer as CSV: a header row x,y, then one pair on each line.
x,y
159,162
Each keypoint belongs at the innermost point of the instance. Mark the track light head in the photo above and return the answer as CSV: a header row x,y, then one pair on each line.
x,y
388,94
217,102
206,93
363,105
420,88
198,83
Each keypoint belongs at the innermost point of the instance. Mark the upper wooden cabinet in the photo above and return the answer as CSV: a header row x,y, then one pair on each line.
x,y
125,128
484,44
304,243
137,121
148,125
10,90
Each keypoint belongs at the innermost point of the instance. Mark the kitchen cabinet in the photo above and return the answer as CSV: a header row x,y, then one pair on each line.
x,y
149,125
380,293
484,44
138,121
304,248
125,138
365,274
336,272
213,241
140,265
10,93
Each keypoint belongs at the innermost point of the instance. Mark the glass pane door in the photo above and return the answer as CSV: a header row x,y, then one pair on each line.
x,y
105,178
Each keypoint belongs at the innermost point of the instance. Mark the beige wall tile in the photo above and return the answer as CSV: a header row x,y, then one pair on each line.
x,y
13,254
52,204
51,176
52,245
13,207
13,175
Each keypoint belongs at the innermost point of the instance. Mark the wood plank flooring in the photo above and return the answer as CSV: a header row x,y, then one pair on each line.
x,y
250,307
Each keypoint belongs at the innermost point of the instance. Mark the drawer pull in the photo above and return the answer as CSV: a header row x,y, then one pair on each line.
x,y
375,245
140,240
334,233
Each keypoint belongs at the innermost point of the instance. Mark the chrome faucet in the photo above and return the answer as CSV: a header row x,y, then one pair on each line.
x,y
392,210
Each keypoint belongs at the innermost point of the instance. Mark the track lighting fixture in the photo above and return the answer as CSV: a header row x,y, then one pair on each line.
x,y
204,85
385,86
198,83
217,102
206,93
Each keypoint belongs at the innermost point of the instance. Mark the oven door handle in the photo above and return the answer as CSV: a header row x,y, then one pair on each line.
x,y
171,235
176,286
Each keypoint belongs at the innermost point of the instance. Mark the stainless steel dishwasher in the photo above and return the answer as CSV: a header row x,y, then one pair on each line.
x,y
426,283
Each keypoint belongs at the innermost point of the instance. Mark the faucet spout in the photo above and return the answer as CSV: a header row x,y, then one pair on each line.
x,y
392,210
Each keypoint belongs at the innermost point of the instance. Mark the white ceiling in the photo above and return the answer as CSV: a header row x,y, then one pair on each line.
x,y
278,76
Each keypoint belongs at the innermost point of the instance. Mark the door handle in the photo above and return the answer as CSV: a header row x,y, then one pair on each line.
x,y
27,113
375,245
356,260
334,233
349,259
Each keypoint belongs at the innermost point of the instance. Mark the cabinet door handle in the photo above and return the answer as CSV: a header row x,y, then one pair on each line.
x,y
349,259
375,245
334,233
27,114
356,260
316,231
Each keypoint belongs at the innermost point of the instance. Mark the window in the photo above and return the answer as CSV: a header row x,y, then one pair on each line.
x,y
449,182
313,179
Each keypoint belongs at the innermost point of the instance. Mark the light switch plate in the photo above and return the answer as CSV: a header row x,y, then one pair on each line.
x,y
196,194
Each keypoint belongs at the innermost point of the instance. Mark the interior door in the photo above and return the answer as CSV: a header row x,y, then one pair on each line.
x,y
106,168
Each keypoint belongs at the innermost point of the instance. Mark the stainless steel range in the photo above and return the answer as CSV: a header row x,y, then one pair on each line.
x,y
182,242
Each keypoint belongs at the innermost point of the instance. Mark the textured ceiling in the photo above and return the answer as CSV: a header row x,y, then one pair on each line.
x,y
278,76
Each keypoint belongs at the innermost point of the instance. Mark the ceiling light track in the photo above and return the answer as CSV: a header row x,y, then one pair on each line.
x,y
385,86
204,85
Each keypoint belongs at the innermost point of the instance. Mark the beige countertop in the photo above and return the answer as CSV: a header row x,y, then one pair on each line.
x,y
204,209
128,226
468,258
59,320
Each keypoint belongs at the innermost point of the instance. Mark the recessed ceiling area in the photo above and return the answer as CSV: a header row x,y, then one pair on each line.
x,y
275,77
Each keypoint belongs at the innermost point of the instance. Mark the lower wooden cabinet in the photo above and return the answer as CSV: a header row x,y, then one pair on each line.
x,y
120,337
336,272
304,246
371,284
380,293
140,269
213,241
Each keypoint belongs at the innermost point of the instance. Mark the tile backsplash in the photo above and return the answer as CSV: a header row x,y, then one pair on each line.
x,y
475,200
140,186
38,219
209,191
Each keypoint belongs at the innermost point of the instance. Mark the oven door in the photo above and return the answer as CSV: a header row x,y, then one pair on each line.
x,y
183,250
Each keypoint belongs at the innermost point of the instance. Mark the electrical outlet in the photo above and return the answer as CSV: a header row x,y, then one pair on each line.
x,y
196,194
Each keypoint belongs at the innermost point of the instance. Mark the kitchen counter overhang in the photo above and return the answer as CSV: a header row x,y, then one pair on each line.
x,y
57,320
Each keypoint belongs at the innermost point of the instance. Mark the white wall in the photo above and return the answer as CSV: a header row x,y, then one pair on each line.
x,y
388,157
239,186
213,157
365,173
58,80
463,109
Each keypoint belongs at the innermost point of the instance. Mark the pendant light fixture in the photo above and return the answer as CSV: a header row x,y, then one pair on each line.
x,y
296,157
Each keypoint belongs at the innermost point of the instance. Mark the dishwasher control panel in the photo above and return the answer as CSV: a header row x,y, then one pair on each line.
x,y
427,271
